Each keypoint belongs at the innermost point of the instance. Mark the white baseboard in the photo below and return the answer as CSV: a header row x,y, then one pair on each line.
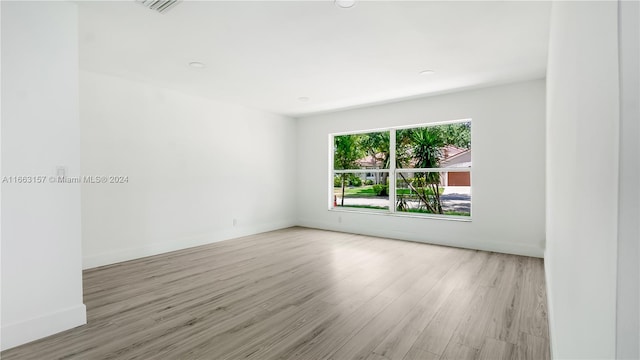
x,y
501,247
120,255
127,254
36,328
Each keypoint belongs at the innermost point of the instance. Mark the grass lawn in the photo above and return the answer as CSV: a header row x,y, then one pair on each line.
x,y
419,211
361,191
410,192
367,191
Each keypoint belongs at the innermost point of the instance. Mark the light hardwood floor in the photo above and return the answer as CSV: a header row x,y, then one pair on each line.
x,y
309,294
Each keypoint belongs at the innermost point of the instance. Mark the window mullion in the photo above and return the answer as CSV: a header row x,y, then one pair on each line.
x,y
392,170
332,153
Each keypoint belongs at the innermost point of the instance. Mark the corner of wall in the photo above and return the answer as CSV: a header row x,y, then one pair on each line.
x,y
550,317
41,245
121,255
36,328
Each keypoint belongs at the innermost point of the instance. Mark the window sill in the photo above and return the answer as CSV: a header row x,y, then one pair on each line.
x,y
406,215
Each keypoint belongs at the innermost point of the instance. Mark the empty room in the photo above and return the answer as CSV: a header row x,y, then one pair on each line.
x,y
334,179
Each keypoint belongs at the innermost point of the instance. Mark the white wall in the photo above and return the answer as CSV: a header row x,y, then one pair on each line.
x,y
1,172
41,247
628,295
582,179
508,169
193,164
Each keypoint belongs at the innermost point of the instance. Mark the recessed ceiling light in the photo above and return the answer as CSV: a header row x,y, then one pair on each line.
x,y
303,99
345,4
196,64
427,72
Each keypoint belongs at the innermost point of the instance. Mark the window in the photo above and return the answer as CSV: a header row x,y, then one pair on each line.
x,y
361,171
427,173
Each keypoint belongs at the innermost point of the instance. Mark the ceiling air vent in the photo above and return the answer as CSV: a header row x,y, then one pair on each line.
x,y
160,6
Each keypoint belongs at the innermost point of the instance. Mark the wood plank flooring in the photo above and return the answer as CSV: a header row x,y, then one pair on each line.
x,y
309,294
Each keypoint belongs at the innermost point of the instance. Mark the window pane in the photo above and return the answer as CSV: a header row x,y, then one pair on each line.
x,y
361,191
438,146
442,193
361,151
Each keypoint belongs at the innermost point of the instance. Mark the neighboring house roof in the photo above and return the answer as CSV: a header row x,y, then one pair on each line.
x,y
456,157
370,162
451,151
452,155
466,164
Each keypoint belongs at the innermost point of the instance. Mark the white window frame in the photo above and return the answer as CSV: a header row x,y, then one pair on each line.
x,y
393,173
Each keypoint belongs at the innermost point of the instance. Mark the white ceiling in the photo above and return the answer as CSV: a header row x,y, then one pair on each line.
x,y
266,55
